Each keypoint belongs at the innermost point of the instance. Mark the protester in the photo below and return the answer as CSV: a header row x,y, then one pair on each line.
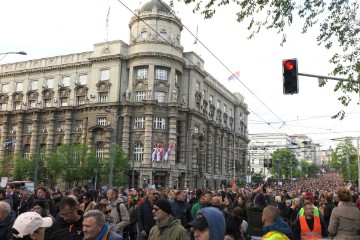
x,y
10,191
7,219
118,210
234,229
104,207
95,227
209,224
168,227
87,202
26,202
145,215
69,226
274,226
181,208
31,226
345,218
131,229
254,208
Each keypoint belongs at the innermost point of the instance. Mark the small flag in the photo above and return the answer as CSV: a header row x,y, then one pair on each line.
x,y
153,155
107,17
234,76
197,32
168,152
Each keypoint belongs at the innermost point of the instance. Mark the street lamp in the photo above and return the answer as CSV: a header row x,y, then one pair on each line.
x,y
7,53
115,131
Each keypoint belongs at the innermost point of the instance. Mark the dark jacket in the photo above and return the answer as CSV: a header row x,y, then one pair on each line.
x,y
6,227
254,215
327,213
182,211
62,230
172,229
145,216
25,206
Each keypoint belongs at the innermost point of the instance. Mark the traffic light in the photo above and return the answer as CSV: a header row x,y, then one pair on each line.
x,y
290,76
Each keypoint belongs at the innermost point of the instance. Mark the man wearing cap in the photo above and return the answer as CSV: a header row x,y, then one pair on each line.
x,y
254,210
167,226
95,227
208,224
30,225
26,202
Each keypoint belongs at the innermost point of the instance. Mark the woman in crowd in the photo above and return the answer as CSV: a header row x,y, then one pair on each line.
x,y
88,203
345,219
131,230
234,230
104,207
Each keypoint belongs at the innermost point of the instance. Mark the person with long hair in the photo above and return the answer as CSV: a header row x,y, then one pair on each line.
x,y
234,229
87,202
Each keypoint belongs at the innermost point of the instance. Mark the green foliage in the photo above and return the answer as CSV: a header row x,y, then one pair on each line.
x,y
344,160
23,168
287,161
338,21
257,177
121,167
309,169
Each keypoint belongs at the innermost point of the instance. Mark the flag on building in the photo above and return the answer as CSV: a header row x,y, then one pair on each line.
x,y
168,152
159,152
234,76
153,155
197,32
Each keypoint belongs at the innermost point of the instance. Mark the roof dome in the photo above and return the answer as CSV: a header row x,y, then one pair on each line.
x,y
160,6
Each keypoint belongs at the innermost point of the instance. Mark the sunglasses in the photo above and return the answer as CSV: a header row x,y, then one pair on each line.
x,y
107,212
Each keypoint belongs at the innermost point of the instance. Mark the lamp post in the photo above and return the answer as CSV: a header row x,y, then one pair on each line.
x,y
115,130
7,53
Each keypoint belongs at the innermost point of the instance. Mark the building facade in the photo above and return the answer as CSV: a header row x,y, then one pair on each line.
x,y
148,95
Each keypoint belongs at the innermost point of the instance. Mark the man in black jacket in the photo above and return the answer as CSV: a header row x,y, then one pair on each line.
x,y
254,210
26,202
69,226
144,214
181,208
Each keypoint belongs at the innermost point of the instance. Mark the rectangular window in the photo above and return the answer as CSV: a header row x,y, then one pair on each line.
x,y
103,97
19,87
218,104
5,88
139,96
163,35
44,127
210,99
139,122
102,121
160,97
49,83
17,106
64,102
104,74
47,103
139,151
82,79
2,106
78,126
159,123
100,153
33,85
197,86
65,81
29,127
81,100
60,126
143,34
161,74
224,108
196,129
142,73
32,104
13,128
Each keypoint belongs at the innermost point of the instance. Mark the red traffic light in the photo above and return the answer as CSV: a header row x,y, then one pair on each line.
x,y
289,65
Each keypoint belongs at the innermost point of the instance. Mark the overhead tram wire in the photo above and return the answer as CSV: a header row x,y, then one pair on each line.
x,y
194,63
227,68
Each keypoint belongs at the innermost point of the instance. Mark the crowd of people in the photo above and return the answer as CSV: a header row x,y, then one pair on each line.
x,y
311,208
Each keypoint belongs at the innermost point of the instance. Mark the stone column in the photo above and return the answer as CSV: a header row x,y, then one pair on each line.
x,y
182,142
173,117
217,150
19,133
35,135
125,133
84,132
67,128
148,148
4,136
51,134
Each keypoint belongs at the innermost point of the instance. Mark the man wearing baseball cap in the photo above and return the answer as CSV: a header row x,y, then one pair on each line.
x,y
30,225
168,227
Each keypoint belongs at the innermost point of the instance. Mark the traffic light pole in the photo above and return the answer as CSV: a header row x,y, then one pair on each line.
x,y
323,77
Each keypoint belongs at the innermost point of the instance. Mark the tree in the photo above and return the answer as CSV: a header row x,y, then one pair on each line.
x,y
338,22
344,160
121,167
286,160
23,168
257,177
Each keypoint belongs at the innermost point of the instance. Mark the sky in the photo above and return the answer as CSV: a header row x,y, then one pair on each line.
x,y
45,28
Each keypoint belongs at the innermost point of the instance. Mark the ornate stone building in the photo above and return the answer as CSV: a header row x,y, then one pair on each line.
x,y
148,95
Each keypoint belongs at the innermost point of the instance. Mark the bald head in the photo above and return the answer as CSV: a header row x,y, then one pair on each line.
x,y
216,201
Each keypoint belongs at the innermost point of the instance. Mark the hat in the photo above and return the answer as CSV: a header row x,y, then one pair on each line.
x,y
29,222
199,222
164,205
260,199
